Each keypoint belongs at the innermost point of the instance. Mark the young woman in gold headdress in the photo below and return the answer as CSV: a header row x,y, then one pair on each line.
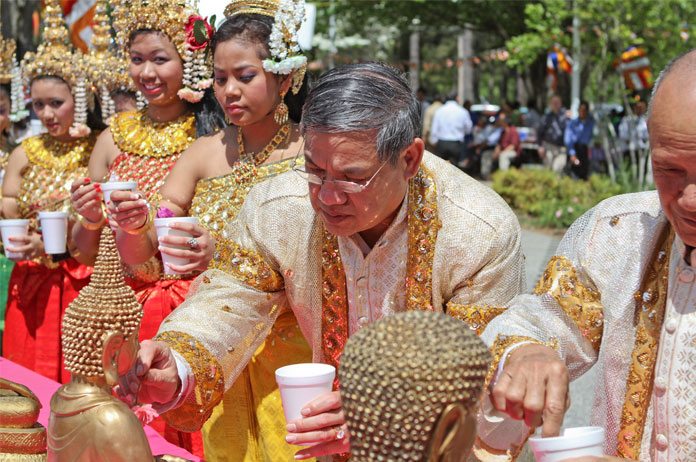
x,y
168,68
211,181
38,178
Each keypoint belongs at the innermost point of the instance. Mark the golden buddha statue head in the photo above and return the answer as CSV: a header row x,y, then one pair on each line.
x,y
410,385
100,327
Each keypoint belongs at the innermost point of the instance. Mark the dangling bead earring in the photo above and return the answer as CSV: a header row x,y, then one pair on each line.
x,y
281,111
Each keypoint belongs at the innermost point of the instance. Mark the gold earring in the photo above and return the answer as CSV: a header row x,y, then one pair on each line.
x,y
281,111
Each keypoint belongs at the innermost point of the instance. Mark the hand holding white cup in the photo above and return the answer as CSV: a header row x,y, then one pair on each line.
x,y
163,226
572,443
13,228
54,229
301,383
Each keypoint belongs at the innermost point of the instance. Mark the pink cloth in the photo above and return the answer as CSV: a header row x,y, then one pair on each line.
x,y
44,389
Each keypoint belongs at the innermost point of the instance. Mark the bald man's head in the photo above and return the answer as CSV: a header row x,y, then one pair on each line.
x,y
684,64
672,140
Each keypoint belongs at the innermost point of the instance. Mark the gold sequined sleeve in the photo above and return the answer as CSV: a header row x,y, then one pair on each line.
x,y
225,318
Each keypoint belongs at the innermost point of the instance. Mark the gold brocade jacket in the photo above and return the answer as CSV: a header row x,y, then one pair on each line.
x,y
52,168
462,256
617,295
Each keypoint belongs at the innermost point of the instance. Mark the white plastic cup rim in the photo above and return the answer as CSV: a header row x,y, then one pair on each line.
x,y
119,185
14,222
305,374
571,438
164,222
52,215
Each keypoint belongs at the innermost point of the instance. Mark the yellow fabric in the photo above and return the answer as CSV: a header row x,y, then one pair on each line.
x,y
249,424
250,417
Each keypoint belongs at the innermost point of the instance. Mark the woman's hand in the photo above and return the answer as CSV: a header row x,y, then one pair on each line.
x,y
201,247
323,427
27,247
86,198
128,210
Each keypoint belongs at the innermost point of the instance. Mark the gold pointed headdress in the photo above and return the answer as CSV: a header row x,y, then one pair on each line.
x,y
105,305
56,57
175,18
108,66
7,58
288,15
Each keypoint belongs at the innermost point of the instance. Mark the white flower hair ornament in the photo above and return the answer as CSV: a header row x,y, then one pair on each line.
x,y
286,55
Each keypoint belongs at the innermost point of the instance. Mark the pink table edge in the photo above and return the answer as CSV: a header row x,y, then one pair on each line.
x,y
44,388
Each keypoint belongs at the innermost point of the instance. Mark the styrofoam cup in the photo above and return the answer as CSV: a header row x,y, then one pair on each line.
x,y
301,383
573,442
54,230
13,228
111,186
163,229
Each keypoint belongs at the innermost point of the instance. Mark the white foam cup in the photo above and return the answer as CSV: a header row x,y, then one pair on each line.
x,y
111,186
573,442
163,229
13,228
54,229
301,383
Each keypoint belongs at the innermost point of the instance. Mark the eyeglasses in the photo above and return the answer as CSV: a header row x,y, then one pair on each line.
x,y
347,187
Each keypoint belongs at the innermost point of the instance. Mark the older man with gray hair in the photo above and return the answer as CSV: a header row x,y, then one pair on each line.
x,y
368,225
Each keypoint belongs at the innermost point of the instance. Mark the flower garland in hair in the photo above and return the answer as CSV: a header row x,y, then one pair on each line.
x,y
79,128
283,42
18,107
196,74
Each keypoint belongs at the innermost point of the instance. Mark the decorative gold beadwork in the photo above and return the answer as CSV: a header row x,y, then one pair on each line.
x,y
261,156
392,415
136,133
423,225
650,310
105,305
210,382
582,304
248,266
476,316
52,168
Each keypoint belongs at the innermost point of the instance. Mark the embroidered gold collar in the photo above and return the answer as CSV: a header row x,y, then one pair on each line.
x,y
423,226
49,153
136,133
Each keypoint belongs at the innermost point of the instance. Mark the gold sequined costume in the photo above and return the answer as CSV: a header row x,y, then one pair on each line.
x,y
39,291
248,425
454,243
618,295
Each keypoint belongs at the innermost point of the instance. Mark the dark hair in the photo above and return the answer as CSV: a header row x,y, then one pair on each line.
x,y
365,97
209,116
6,90
94,116
256,29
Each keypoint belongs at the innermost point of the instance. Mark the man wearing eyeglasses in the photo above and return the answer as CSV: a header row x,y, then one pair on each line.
x,y
370,225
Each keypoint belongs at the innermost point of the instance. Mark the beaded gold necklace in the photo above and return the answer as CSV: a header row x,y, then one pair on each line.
x,y
136,133
49,153
261,156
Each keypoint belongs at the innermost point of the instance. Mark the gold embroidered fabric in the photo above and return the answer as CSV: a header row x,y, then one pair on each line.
x,y
650,310
52,168
581,303
134,132
475,259
209,382
217,200
610,250
149,151
248,266
477,316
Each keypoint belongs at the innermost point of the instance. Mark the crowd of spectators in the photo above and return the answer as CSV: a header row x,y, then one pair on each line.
x,y
483,138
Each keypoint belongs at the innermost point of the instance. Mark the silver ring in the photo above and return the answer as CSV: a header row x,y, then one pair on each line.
x,y
193,243
340,433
